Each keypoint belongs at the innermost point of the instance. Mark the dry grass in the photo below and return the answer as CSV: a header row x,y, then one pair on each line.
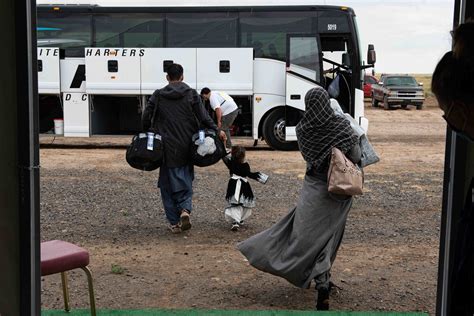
x,y
426,80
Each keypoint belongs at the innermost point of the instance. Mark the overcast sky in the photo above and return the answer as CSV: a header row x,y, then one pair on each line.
x,y
409,36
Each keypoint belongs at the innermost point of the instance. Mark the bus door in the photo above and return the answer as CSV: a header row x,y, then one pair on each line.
x,y
303,72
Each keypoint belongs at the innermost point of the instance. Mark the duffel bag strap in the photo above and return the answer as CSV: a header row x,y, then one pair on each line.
x,y
157,102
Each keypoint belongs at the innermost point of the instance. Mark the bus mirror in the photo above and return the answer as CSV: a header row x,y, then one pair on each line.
x,y
371,56
346,60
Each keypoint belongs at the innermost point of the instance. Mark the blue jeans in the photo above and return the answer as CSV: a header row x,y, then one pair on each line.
x,y
176,187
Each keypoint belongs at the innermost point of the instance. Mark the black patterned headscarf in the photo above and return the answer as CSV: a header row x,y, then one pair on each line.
x,y
321,129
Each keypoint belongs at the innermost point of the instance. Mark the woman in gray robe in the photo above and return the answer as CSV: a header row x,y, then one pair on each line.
x,y
302,246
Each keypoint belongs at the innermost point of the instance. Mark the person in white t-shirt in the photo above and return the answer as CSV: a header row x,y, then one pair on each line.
x,y
225,107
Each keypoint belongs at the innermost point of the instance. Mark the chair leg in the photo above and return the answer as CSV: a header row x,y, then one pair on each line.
x,y
91,289
65,291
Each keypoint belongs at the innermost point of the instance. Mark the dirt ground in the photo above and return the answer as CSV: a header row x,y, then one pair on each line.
x,y
387,261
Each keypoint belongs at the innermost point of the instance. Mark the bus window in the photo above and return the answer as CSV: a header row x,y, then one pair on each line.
x,y
333,49
201,30
266,31
72,32
125,30
304,56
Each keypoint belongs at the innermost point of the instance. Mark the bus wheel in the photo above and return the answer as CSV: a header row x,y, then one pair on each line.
x,y
274,131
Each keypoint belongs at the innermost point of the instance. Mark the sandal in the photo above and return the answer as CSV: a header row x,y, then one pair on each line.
x,y
175,229
185,223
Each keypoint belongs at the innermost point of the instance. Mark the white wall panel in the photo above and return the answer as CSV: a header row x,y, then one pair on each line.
x,y
238,81
153,75
72,75
124,81
48,70
76,114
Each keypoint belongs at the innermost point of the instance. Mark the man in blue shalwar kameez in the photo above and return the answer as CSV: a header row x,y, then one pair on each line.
x,y
178,115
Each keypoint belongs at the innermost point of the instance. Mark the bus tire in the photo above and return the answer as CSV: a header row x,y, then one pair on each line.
x,y
274,131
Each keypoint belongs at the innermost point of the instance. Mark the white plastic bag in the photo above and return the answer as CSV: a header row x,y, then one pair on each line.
x,y
359,131
369,156
208,147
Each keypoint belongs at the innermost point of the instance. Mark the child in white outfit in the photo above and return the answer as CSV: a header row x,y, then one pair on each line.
x,y
239,195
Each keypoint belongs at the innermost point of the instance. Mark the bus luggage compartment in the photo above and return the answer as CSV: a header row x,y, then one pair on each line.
x,y
115,115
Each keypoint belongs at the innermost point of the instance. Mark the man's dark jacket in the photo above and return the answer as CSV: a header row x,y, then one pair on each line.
x,y
179,110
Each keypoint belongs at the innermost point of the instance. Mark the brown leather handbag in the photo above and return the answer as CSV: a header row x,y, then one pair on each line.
x,y
344,177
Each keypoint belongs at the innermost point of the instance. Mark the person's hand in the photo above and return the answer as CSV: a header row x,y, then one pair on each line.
x,y
222,136
219,125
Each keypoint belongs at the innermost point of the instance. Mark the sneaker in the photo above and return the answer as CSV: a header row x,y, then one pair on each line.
x,y
235,227
184,221
175,229
241,223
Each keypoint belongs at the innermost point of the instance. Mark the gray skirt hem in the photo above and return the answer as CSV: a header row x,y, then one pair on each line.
x,y
304,243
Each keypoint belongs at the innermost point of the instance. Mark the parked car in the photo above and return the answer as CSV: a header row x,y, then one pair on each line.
x,y
368,82
401,90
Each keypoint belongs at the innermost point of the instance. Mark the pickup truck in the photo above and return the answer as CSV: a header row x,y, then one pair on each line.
x,y
401,90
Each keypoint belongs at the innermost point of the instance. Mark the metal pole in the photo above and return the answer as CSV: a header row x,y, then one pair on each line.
x,y
28,156
457,163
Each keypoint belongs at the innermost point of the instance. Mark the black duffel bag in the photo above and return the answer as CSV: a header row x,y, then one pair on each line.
x,y
209,159
145,152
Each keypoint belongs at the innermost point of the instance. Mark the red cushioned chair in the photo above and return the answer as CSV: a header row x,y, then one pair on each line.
x,y
58,256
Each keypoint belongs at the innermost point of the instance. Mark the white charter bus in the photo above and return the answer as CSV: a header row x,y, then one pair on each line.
x,y
98,62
